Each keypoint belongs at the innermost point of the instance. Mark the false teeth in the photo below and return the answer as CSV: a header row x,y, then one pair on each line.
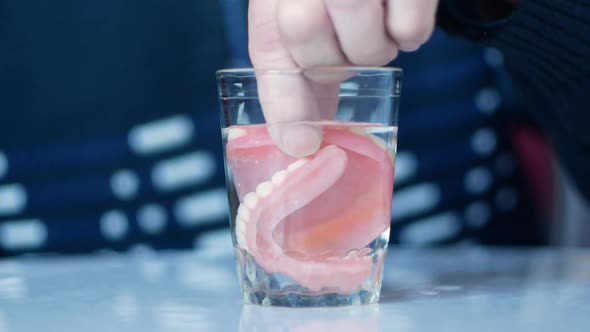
x,y
251,200
279,177
297,164
264,189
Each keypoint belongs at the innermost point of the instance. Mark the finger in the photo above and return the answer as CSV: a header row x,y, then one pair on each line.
x,y
264,40
411,22
307,32
360,27
290,108
327,96
284,98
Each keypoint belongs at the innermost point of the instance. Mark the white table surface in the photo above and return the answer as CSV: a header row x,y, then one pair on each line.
x,y
458,289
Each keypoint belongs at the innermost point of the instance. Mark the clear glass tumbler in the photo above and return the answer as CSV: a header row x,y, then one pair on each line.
x,y
309,161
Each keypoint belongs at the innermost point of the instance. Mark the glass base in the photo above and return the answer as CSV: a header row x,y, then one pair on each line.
x,y
306,300
276,289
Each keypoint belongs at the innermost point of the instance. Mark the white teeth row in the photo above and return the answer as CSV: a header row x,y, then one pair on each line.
x,y
240,226
241,233
279,177
234,133
264,189
243,212
252,199
297,164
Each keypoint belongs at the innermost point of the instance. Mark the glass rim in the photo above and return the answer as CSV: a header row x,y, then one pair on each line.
x,y
366,69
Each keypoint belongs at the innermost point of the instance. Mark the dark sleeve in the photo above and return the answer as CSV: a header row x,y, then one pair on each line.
x,y
546,48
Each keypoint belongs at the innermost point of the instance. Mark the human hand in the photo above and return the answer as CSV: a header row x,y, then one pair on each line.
x,y
287,34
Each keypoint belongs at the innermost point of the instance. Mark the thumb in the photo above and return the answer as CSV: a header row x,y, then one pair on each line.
x,y
287,98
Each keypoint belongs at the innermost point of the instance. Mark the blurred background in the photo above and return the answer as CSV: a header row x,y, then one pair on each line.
x,y
110,139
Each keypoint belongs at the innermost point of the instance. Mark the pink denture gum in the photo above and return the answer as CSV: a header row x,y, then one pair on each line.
x,y
311,219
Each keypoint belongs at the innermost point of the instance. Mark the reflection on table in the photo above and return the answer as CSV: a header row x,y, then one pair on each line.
x,y
450,289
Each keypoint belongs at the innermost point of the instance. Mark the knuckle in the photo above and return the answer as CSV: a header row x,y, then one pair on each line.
x,y
297,22
372,56
265,39
352,4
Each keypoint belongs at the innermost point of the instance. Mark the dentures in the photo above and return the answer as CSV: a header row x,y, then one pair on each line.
x,y
311,219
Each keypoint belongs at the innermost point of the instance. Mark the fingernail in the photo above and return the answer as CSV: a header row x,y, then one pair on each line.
x,y
300,140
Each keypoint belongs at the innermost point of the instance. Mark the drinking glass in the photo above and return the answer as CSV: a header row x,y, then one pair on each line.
x,y
309,163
